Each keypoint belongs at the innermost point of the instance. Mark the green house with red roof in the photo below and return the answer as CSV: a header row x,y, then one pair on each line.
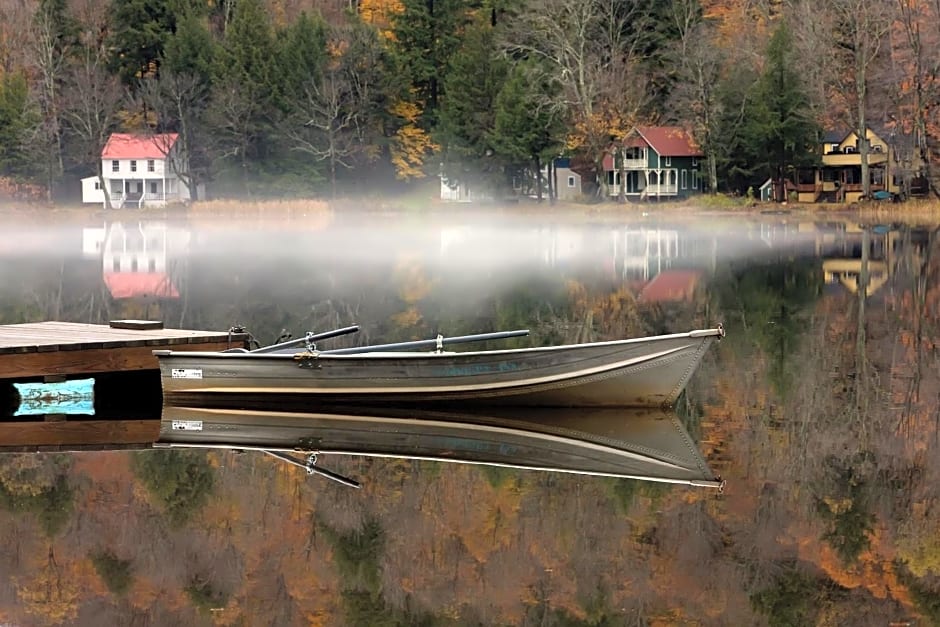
x,y
655,163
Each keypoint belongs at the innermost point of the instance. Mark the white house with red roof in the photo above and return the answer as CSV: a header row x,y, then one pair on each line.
x,y
139,171
655,162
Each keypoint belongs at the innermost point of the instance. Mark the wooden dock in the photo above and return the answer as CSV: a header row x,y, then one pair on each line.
x,y
56,349
78,435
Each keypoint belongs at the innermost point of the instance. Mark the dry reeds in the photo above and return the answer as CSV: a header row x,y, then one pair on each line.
x,y
297,206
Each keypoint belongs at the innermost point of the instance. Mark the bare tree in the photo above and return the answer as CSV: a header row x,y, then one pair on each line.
x,y
330,128
592,50
94,98
231,118
862,26
335,112
180,101
917,57
699,64
49,53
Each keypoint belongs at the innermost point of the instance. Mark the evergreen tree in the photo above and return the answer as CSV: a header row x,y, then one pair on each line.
x,y
243,93
427,32
781,131
524,133
190,50
17,117
139,30
468,112
301,56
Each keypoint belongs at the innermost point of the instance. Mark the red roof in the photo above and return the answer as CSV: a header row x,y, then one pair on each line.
x,y
670,141
130,284
127,146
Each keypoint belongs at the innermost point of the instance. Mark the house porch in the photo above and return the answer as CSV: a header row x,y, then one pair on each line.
x,y
646,183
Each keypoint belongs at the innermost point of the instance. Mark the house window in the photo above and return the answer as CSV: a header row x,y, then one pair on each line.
x,y
153,187
695,180
570,181
828,175
694,162
133,166
150,165
667,161
97,185
115,166
685,179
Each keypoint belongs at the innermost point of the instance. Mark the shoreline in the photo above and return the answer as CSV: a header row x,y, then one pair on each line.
x,y
912,210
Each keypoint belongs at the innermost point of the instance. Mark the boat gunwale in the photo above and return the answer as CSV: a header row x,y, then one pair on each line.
x,y
697,334
716,483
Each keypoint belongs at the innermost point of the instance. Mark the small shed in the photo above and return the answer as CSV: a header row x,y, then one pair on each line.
x,y
567,181
766,191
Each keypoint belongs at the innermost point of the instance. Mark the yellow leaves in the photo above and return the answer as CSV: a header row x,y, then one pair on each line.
x,y
409,149
379,13
414,283
408,318
411,145
838,506
51,593
27,475
919,544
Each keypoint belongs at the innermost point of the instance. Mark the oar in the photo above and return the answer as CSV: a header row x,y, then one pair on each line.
x,y
435,343
314,470
310,337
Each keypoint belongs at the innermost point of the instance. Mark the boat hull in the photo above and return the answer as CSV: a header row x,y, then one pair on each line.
x,y
645,372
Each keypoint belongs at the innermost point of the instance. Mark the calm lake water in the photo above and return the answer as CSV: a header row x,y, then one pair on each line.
x,y
820,410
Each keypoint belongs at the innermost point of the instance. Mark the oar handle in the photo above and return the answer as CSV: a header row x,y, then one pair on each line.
x,y
435,343
315,337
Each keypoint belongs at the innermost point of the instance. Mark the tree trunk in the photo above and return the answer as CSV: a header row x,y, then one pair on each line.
x,y
622,193
538,179
105,191
712,172
863,135
552,182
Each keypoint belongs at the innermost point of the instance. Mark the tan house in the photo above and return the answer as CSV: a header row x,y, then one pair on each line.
x,y
838,177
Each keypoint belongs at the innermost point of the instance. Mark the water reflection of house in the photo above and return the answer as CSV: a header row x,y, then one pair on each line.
x,y
670,286
134,258
644,253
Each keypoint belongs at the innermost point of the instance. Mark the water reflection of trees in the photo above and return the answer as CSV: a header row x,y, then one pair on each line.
x,y
828,443
848,450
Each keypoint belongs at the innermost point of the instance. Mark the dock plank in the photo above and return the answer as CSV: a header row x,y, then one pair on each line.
x,y
69,348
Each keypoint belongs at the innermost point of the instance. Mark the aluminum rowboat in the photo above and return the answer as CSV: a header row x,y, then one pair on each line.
x,y
641,372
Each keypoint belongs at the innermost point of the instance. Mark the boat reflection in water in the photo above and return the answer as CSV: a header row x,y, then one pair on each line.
x,y
646,444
